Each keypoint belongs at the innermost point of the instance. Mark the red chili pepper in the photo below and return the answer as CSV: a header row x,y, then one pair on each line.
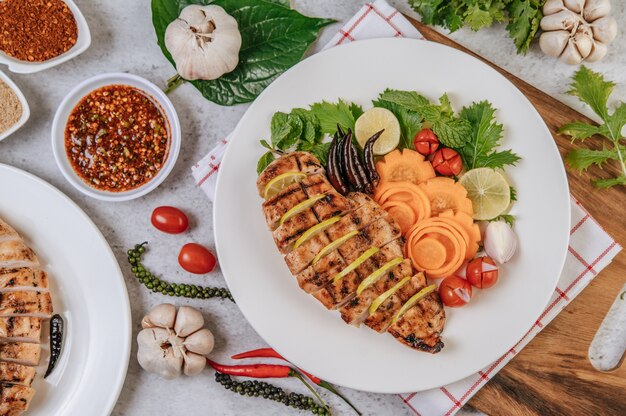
x,y
271,353
254,370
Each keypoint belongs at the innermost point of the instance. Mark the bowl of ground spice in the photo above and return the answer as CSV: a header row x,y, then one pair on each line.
x,y
39,34
116,137
14,109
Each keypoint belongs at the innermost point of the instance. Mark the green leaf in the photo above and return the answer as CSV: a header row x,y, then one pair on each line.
x,y
410,100
265,160
582,159
524,18
477,18
320,150
311,127
410,122
479,151
616,122
280,128
593,90
452,132
274,38
513,193
607,183
580,130
284,3
331,114
508,218
265,144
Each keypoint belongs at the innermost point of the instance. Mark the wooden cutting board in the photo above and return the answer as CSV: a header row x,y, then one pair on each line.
x,y
552,374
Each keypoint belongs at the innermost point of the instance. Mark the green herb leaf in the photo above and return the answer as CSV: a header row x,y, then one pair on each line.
x,y
410,122
320,150
508,218
274,38
513,193
478,18
594,90
265,144
484,138
311,131
331,114
524,18
265,160
410,100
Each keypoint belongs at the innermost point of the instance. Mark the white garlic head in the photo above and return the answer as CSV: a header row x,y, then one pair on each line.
x,y
577,30
500,241
173,341
204,42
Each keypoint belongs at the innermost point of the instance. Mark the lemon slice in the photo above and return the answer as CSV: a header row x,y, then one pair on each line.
x,y
489,192
374,120
382,298
301,207
411,302
317,228
356,263
372,278
333,245
280,182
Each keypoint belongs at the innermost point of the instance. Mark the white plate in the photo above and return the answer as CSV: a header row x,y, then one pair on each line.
x,y
82,43
88,290
25,108
317,340
70,101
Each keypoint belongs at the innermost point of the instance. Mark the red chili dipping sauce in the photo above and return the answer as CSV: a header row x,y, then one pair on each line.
x,y
117,138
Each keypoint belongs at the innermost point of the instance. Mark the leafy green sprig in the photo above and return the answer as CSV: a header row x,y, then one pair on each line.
x,y
592,89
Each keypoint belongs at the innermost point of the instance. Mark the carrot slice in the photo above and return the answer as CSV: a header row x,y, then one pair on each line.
x,y
430,253
471,228
405,192
446,234
406,165
445,193
402,213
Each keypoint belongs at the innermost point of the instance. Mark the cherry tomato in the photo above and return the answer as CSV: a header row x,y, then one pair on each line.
x,y
447,162
426,142
196,259
170,220
482,272
454,291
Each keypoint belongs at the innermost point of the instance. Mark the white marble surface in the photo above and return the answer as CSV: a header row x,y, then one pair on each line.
x,y
124,40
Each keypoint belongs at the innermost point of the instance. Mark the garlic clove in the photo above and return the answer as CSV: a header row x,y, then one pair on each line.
x,y
604,29
584,43
563,20
161,316
553,43
594,9
500,241
155,354
553,6
194,364
574,5
201,342
598,52
570,55
188,321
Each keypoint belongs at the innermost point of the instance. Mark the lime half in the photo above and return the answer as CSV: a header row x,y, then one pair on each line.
x,y
374,120
489,192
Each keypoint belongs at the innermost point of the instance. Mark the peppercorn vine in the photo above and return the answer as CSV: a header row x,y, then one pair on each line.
x,y
155,284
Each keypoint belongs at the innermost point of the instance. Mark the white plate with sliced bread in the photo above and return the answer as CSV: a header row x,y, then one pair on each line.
x,y
87,289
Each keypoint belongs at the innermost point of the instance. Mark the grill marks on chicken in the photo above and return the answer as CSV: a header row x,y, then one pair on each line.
x,y
326,276
24,302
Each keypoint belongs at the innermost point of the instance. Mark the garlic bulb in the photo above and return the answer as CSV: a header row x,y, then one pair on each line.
x,y
500,241
204,42
173,342
577,30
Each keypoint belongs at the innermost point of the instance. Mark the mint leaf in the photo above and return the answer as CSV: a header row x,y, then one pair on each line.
x,y
451,132
279,127
320,150
410,122
484,138
265,160
331,114
410,100
311,131
524,19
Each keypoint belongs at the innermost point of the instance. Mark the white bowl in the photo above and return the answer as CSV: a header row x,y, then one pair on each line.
x,y
25,108
72,99
82,43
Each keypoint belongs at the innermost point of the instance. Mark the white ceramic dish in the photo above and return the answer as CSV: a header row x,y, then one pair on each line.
x,y
317,340
84,88
82,43
88,290
25,108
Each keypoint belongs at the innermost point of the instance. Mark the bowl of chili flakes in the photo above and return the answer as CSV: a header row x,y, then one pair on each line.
x,y
116,137
62,36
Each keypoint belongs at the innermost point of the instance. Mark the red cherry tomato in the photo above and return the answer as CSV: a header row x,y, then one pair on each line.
x,y
482,272
170,220
454,291
196,259
447,162
426,142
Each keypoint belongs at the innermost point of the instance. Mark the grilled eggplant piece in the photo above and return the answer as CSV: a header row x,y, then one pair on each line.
x,y
293,162
334,171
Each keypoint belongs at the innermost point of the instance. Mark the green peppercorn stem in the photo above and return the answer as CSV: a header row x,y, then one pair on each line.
x,y
269,391
155,284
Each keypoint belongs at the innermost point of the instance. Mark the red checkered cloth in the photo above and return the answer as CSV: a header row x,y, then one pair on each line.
x,y
590,248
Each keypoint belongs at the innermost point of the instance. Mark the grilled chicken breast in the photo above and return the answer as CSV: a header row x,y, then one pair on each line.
x,y
20,329
14,253
14,399
26,303
16,374
24,353
7,232
362,244
24,278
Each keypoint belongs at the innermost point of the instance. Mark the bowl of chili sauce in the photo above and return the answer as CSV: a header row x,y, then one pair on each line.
x,y
116,137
